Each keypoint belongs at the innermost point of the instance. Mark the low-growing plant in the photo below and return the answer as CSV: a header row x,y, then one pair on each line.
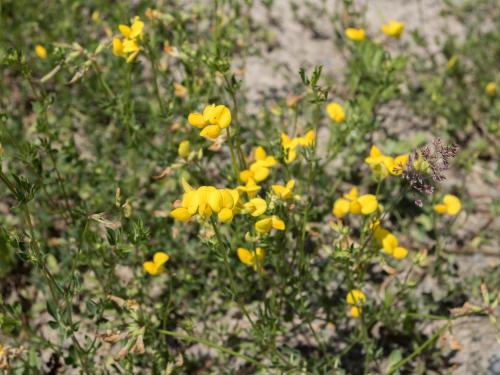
x,y
157,220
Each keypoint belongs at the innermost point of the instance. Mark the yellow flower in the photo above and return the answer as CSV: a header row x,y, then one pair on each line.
x,y
259,170
393,29
135,31
118,48
336,112
263,159
284,192
399,252
491,88
356,311
351,202
181,214
156,266
451,205
356,297
388,242
40,51
128,46
251,188
396,165
357,35
290,144
382,165
308,139
376,157
256,206
183,150
364,205
205,201
266,224
378,232
211,122
341,208
251,258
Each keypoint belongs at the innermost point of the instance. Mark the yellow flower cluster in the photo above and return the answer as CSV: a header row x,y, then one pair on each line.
x,y
388,242
290,144
257,207
264,225
450,205
157,265
251,188
356,299
208,200
259,169
383,165
393,28
355,204
284,192
211,122
129,46
205,201
251,258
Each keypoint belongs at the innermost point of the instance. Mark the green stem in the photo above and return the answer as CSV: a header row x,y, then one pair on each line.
x,y
211,344
152,58
102,81
236,169
232,283
61,186
241,155
305,218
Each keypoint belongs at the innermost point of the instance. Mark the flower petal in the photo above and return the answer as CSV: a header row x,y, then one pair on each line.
x,y
210,131
224,118
196,119
341,208
150,268
181,214
453,204
225,215
278,223
246,256
368,203
160,258
400,252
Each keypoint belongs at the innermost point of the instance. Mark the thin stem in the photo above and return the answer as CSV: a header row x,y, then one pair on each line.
x,y
53,285
241,155
211,344
102,81
232,283
152,58
61,185
236,169
305,218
